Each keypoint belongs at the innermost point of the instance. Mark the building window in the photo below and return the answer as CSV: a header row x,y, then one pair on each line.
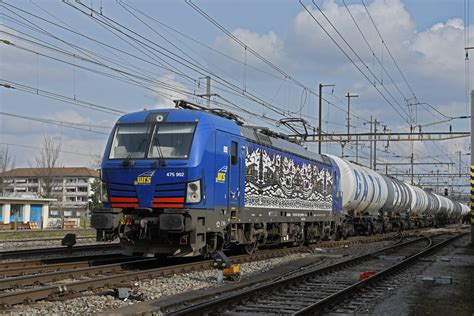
x,y
82,180
57,180
21,180
70,190
54,213
72,180
16,210
70,199
33,189
67,213
20,189
82,198
33,180
8,181
82,189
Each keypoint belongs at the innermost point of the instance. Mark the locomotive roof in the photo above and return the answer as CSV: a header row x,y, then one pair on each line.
x,y
226,125
282,144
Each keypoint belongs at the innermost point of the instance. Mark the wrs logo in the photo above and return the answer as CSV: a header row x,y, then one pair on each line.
x,y
221,174
144,178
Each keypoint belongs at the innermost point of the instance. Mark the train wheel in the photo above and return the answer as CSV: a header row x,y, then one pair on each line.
x,y
338,234
250,248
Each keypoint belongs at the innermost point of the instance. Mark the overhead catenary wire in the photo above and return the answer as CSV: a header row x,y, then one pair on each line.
x,y
389,52
373,52
249,49
59,97
407,118
42,148
72,125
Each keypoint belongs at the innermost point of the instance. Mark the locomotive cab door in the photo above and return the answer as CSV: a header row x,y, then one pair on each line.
x,y
234,178
228,166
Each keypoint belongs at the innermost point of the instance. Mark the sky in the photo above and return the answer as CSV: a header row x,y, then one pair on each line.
x,y
71,73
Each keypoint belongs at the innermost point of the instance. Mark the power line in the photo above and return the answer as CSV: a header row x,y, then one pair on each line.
x,y
42,148
58,123
373,52
251,50
389,52
359,58
59,97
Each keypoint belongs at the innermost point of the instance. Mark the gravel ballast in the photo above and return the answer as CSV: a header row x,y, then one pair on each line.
x,y
157,288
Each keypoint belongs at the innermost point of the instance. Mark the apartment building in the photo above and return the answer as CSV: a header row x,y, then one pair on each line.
x,y
71,187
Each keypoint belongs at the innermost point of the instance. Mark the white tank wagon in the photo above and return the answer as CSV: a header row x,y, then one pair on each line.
x,y
419,202
398,197
364,192
433,204
465,210
465,213
456,212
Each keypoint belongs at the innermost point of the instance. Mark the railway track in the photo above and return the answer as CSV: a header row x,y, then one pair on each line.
x,y
88,275
313,290
39,239
28,253
110,275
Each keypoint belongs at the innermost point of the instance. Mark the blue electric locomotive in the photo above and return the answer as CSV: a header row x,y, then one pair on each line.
x,y
188,182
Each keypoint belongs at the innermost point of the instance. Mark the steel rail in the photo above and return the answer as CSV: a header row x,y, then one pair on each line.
x,y
39,239
39,293
56,267
17,264
379,275
43,278
43,292
15,254
228,300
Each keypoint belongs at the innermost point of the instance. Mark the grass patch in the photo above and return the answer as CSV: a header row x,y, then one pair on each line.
x,y
26,234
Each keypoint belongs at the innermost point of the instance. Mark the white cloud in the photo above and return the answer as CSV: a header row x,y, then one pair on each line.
x,y
165,94
268,45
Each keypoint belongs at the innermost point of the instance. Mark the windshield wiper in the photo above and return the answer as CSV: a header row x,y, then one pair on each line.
x,y
128,162
161,157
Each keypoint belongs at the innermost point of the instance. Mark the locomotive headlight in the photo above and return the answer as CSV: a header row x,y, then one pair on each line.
x,y
193,192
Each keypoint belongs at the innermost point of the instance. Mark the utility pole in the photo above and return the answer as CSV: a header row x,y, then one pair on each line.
x,y
371,148
437,181
357,149
208,93
349,96
320,130
375,145
472,168
411,162
459,166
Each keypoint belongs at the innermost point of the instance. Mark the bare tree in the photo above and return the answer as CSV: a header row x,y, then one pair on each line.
x,y
6,163
46,163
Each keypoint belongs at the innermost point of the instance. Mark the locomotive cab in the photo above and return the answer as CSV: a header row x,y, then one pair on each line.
x,y
159,174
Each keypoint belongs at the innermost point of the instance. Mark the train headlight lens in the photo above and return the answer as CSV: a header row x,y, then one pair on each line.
x,y
193,192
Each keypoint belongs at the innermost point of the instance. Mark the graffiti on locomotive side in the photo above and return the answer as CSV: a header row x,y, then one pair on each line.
x,y
276,181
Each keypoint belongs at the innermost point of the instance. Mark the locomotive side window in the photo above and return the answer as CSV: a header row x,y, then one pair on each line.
x,y
233,153
130,141
172,140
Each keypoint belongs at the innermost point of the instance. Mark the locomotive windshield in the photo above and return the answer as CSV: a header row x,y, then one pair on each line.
x,y
130,141
172,140
168,140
